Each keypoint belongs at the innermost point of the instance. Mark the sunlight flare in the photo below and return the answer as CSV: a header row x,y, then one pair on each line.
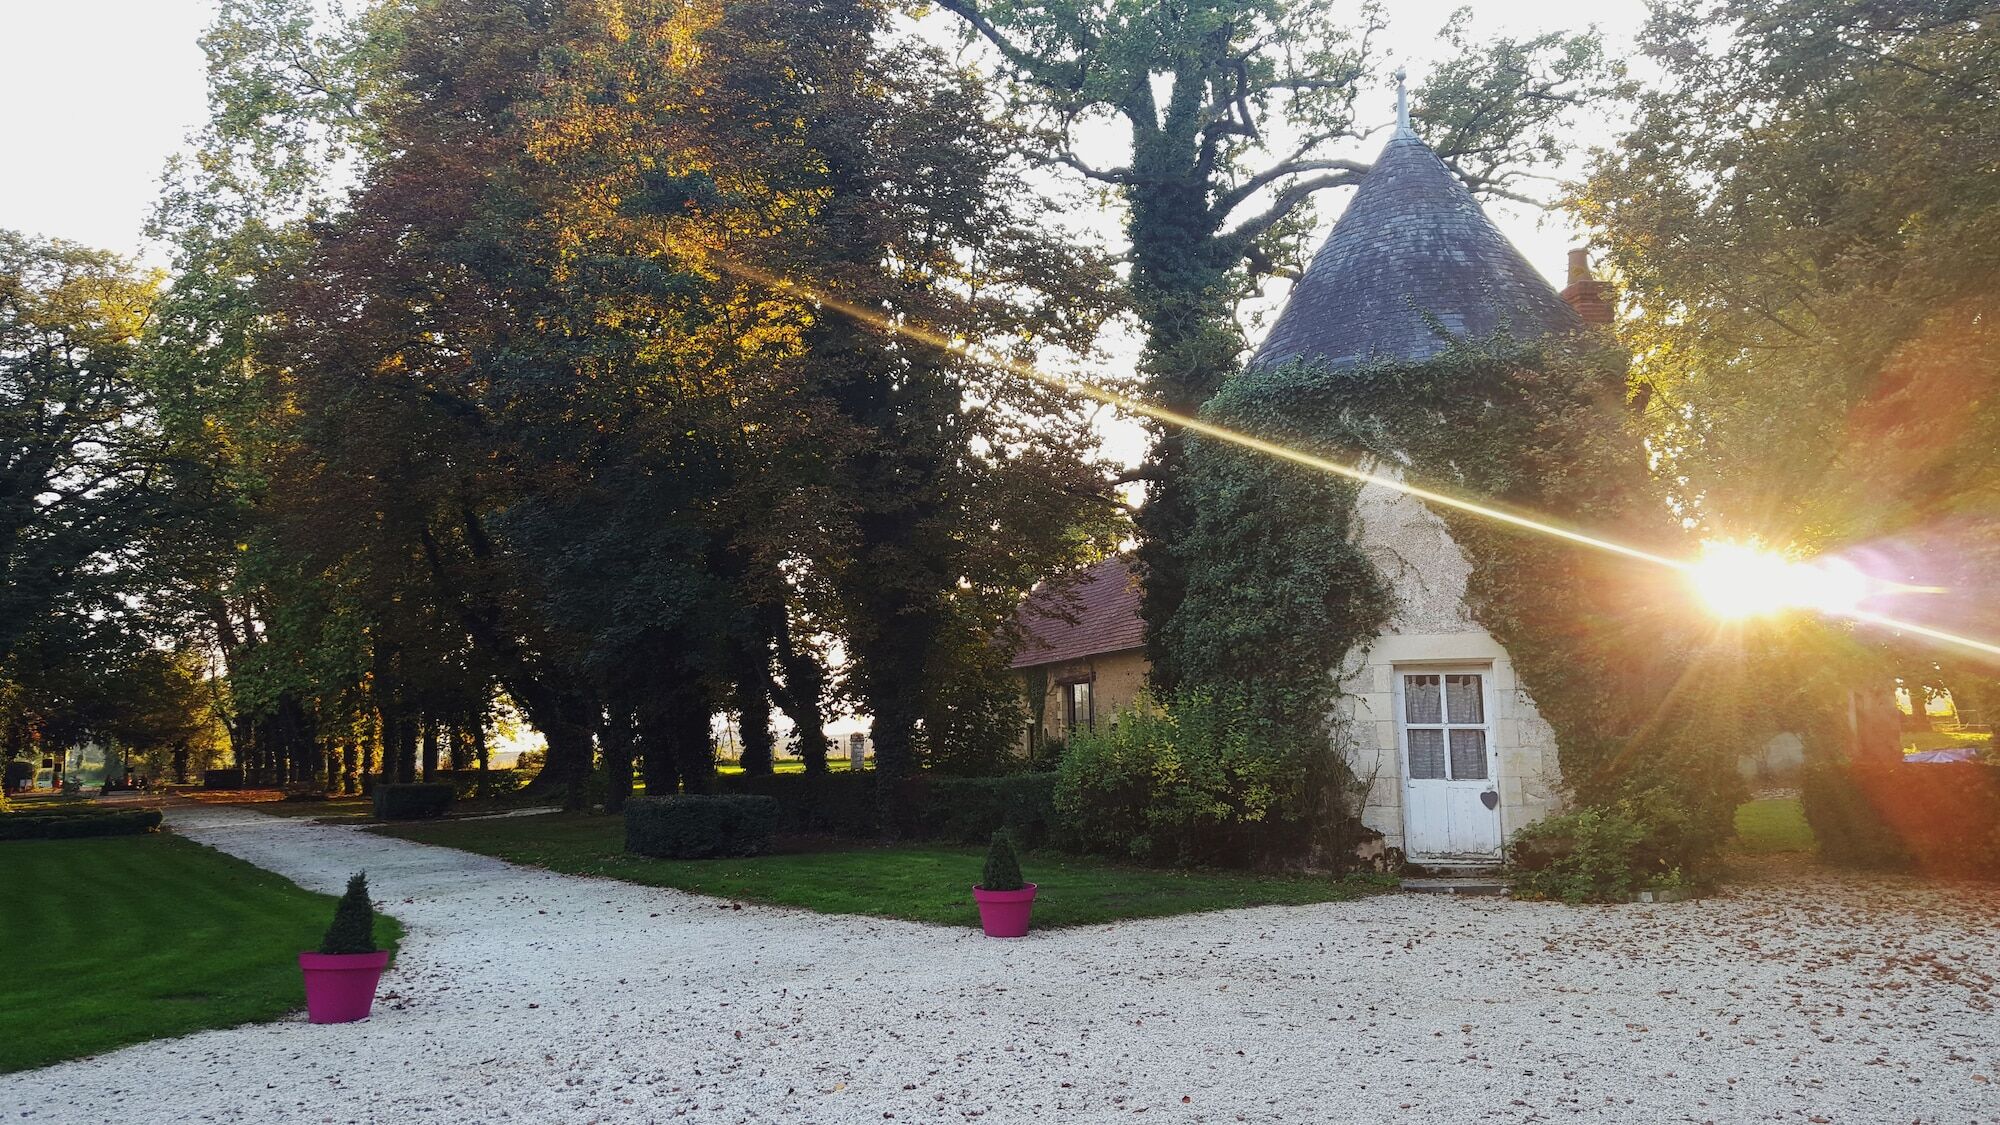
x,y
1736,581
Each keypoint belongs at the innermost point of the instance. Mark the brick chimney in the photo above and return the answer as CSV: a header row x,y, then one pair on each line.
x,y
1590,297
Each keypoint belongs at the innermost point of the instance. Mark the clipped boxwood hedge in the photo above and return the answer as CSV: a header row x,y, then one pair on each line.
x,y
465,783
412,800
699,826
828,804
1939,817
222,779
964,810
70,824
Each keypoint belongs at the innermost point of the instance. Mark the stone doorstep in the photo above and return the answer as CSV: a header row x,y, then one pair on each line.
x,y
1459,885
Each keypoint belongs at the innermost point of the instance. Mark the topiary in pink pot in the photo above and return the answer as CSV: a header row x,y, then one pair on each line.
x,y
341,977
1005,901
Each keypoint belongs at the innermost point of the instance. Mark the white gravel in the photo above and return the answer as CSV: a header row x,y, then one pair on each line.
x,y
530,997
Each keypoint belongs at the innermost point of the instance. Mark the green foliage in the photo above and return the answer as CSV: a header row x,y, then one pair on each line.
x,y
1211,207
222,779
1193,782
71,824
1938,817
1278,596
412,800
968,809
1002,871
919,883
161,937
466,784
924,807
691,826
1812,282
353,928
1649,839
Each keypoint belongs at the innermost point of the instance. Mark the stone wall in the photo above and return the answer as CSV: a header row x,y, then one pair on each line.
x,y
1115,678
1429,625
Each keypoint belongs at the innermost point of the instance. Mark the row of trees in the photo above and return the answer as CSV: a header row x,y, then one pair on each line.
x,y
491,362
491,358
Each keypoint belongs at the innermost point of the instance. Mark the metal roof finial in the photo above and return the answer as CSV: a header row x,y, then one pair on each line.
x,y
1402,101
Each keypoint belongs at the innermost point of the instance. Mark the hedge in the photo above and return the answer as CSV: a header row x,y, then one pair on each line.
x,y
465,783
72,825
961,809
699,826
412,800
1938,817
222,779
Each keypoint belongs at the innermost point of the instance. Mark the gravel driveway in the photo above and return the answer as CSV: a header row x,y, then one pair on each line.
x,y
532,997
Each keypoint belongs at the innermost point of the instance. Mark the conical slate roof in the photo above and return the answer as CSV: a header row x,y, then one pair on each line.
x,y
1412,242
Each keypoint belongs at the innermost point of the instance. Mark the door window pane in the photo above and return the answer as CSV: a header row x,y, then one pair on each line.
x,y
1464,701
1468,755
1426,754
1420,700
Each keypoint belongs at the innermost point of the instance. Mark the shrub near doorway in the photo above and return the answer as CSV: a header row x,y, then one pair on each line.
x,y
1005,900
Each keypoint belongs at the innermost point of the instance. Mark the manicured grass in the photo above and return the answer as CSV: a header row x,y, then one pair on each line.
x,y
1774,824
839,763
921,883
116,940
1915,740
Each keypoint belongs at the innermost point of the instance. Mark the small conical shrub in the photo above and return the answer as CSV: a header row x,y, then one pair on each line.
x,y
353,929
1003,869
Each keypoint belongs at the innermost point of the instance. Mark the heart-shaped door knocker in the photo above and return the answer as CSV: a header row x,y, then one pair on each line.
x,y
1490,799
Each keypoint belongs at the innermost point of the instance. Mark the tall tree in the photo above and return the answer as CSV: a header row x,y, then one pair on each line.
x,y
960,488
1235,114
1807,225
82,466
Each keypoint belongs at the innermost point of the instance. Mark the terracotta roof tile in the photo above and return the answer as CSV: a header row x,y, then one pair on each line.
x,y
1094,613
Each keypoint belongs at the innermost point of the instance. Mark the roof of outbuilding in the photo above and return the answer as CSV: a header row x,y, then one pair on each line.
x,y
1096,613
1413,246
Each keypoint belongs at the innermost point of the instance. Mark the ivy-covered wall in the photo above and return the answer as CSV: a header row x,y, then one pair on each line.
x,y
1280,595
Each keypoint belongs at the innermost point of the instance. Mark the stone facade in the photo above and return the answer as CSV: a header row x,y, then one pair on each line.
x,y
1430,627
1115,679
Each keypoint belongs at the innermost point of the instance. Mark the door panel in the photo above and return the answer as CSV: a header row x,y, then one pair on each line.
x,y
1444,726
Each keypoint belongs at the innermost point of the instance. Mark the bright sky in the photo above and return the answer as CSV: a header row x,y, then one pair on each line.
x,y
99,94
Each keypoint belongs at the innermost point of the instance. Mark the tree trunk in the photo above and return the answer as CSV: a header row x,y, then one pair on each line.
x,y
803,692
479,753
429,726
753,723
617,741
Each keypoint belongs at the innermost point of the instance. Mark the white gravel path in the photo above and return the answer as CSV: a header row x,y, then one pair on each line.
x,y
524,996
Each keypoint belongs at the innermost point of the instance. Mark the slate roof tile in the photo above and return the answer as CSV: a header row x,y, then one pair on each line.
x,y
1412,242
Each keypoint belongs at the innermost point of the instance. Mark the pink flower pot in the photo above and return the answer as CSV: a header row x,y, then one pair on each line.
x,y
340,987
1004,913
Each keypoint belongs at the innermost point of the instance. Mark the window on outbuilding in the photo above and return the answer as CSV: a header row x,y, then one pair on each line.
x,y
1077,705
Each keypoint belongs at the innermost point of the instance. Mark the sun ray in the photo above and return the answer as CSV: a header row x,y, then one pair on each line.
x,y
1842,607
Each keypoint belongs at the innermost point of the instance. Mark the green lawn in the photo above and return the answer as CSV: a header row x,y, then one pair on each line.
x,y
115,940
1915,740
1775,824
923,883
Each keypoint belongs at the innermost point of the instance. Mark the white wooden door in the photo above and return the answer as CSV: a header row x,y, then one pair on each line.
x,y
1451,802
